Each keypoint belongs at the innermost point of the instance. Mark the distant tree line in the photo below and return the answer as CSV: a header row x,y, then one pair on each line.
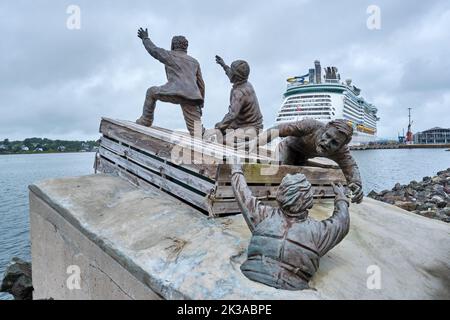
x,y
44,145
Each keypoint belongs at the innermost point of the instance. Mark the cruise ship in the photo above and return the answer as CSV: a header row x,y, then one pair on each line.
x,y
308,96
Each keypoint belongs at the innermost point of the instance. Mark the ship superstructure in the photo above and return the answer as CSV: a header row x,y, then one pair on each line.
x,y
308,96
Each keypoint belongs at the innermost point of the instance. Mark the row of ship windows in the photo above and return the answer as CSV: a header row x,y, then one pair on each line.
x,y
351,101
352,114
352,106
293,118
355,100
307,104
360,105
306,109
354,119
310,96
308,100
369,117
370,121
306,114
365,115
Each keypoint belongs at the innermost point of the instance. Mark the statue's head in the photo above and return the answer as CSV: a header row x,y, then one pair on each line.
x,y
240,71
179,43
294,195
337,134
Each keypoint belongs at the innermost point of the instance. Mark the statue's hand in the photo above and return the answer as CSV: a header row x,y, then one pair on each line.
x,y
357,192
338,190
142,33
220,61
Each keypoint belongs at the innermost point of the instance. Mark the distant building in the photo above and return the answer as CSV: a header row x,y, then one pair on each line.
x,y
2,147
24,148
38,149
61,148
434,135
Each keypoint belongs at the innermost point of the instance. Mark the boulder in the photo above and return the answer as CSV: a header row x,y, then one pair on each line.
x,y
410,192
17,280
397,187
440,203
428,213
445,211
408,206
426,206
372,194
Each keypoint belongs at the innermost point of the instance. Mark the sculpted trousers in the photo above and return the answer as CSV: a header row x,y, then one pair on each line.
x,y
240,137
192,114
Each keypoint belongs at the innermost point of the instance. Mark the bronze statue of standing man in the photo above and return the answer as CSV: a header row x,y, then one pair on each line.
x,y
185,85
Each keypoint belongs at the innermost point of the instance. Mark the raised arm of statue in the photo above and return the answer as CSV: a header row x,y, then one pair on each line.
x,y
159,54
334,229
225,67
253,210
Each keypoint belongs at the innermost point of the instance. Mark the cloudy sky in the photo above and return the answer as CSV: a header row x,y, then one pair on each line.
x,y
56,82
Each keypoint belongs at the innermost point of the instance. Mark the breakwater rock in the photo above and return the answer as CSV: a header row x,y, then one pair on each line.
x,y
17,280
429,197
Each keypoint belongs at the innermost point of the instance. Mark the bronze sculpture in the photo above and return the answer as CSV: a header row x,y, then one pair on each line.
x,y
286,244
310,138
185,85
244,112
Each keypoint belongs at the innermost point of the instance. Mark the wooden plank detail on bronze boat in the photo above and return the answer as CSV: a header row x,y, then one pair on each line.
x,y
193,170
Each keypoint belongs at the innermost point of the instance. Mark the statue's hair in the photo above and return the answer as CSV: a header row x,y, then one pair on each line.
x,y
240,69
294,195
180,42
342,126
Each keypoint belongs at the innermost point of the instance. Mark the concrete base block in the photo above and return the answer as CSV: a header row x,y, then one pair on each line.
x,y
128,243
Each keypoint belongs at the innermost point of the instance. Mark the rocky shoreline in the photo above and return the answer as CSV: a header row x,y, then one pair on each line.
x,y
17,280
429,197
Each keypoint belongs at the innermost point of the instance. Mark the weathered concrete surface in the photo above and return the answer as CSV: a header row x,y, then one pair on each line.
x,y
136,244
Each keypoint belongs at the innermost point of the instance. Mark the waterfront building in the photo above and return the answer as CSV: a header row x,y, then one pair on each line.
x,y
434,135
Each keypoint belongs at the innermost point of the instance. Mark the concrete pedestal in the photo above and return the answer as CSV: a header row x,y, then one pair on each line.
x,y
128,243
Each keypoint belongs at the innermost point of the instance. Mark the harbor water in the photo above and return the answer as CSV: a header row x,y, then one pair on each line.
x,y
380,169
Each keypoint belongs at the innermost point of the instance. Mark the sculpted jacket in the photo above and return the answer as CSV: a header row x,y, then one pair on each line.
x,y
300,145
184,77
284,251
244,109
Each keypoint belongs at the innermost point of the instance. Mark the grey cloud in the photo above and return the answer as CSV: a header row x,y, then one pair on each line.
x,y
57,82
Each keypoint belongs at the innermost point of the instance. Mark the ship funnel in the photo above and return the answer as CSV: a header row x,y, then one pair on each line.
x,y
311,75
318,71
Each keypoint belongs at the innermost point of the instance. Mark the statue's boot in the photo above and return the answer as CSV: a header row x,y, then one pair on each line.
x,y
144,121
149,109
